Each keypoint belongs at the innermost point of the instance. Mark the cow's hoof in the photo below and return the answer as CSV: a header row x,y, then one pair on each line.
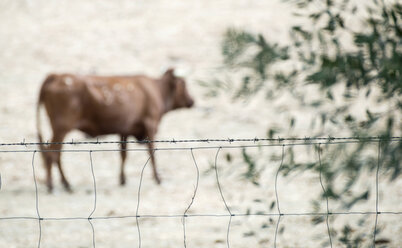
x,y
122,181
50,190
68,188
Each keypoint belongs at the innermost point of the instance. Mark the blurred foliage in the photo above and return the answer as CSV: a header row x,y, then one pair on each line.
x,y
350,60
251,174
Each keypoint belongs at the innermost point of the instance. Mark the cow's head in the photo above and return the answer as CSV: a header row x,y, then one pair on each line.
x,y
176,90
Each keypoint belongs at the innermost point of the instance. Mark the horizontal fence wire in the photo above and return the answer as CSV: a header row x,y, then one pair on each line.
x,y
203,147
279,142
229,140
162,216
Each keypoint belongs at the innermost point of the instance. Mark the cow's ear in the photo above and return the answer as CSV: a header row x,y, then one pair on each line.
x,y
168,77
169,73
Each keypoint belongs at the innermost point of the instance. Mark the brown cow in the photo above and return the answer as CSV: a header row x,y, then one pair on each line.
x,y
97,105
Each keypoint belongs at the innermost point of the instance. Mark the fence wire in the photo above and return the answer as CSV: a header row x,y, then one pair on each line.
x,y
328,139
325,194
257,142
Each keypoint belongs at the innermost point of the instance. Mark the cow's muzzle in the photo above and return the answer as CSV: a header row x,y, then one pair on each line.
x,y
190,103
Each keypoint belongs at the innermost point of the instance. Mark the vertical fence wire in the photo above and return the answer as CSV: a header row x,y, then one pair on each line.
x,y
137,217
36,198
192,198
326,196
276,195
95,198
223,198
376,193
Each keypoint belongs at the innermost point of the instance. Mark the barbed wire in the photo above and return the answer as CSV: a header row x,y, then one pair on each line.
x,y
318,142
228,140
204,147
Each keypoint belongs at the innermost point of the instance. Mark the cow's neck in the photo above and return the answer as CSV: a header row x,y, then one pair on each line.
x,y
166,94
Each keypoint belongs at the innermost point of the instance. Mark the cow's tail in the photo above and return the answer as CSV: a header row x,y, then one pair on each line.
x,y
48,80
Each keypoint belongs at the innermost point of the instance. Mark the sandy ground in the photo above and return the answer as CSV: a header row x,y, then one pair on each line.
x,y
128,37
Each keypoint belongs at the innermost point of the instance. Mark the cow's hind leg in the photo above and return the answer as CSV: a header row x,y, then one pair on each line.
x,y
47,157
64,181
123,154
56,154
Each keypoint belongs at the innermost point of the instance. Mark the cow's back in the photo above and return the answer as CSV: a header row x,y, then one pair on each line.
x,y
100,105
119,104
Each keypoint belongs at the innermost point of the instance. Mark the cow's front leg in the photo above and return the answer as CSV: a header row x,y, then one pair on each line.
x,y
151,151
151,128
123,153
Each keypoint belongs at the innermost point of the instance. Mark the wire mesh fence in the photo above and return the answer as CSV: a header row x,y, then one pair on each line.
x,y
191,145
